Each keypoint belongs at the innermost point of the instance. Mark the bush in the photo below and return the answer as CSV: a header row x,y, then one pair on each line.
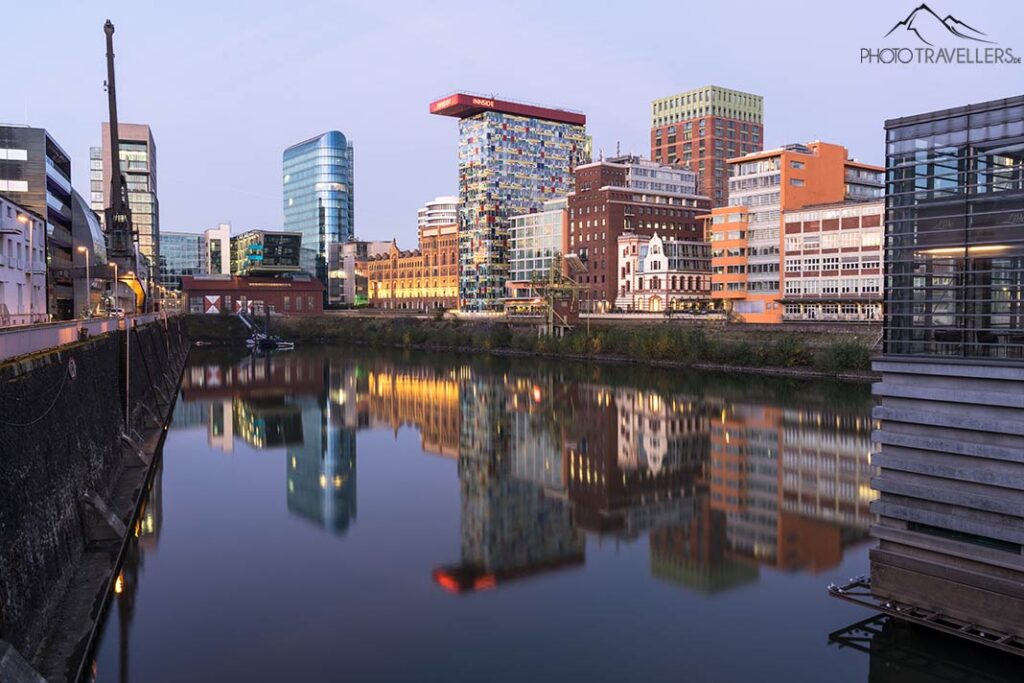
x,y
843,356
787,351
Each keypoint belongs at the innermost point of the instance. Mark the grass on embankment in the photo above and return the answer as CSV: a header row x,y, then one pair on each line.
x,y
733,346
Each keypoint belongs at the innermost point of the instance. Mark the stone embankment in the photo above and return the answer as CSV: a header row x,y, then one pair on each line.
x,y
80,428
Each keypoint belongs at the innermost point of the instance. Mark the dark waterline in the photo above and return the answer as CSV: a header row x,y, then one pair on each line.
x,y
358,516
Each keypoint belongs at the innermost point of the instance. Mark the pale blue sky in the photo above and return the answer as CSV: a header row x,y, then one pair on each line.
x,y
227,86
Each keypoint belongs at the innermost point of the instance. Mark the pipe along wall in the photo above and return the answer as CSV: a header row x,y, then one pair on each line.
x,y
71,480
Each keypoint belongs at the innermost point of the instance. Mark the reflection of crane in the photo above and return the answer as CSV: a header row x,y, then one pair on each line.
x,y
118,215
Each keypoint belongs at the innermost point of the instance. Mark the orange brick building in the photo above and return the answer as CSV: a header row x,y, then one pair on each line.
x,y
422,279
748,238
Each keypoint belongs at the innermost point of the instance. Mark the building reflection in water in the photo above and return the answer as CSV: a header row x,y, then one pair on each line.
x,y
721,481
285,402
721,477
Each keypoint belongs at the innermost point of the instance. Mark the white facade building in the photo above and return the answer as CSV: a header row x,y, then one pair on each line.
x,y
22,266
650,176
657,274
217,249
834,262
437,212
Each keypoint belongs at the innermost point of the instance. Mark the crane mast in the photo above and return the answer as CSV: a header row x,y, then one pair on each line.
x,y
120,232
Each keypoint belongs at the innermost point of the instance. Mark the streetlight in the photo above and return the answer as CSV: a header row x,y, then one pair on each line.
x,y
27,222
88,280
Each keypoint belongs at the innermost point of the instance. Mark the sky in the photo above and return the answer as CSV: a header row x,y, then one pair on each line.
x,y
227,87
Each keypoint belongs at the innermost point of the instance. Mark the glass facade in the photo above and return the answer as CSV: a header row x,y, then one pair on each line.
x,y
35,172
535,240
508,165
181,253
137,150
955,233
261,251
318,197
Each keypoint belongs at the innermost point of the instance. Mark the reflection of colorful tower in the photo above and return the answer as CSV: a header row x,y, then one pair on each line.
x,y
510,527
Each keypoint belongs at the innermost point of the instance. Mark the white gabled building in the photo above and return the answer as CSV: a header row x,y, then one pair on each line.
x,y
657,274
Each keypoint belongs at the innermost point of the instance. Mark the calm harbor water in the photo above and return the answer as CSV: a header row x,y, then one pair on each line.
x,y
357,516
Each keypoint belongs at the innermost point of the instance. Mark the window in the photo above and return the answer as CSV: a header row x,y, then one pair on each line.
x,y
796,182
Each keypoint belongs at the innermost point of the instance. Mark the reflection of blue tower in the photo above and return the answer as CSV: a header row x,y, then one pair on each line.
x,y
322,470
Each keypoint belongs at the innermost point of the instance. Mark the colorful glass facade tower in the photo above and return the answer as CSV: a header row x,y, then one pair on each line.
x,y
512,158
319,197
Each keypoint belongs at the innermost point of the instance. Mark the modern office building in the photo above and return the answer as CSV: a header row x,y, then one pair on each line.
x,y
833,262
217,250
349,280
438,211
138,163
319,200
93,284
512,158
748,236
35,173
627,194
658,274
700,129
181,253
22,265
537,241
264,252
951,481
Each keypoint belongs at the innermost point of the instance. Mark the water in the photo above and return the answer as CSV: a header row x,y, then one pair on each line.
x,y
355,516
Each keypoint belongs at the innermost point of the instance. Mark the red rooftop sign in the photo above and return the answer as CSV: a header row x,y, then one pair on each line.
x,y
461,105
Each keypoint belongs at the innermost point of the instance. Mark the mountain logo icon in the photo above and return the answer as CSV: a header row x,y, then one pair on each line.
x,y
924,23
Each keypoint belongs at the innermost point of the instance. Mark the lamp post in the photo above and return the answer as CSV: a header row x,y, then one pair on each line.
x,y
27,222
88,280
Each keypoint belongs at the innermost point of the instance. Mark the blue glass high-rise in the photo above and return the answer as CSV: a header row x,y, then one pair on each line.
x,y
318,197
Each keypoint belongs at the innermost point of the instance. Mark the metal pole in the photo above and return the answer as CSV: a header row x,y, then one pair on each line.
x,y
127,373
30,224
31,270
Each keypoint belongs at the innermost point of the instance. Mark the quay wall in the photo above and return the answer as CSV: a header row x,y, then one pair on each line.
x,y
62,416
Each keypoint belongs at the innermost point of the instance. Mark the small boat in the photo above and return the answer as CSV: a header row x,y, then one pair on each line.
x,y
262,342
